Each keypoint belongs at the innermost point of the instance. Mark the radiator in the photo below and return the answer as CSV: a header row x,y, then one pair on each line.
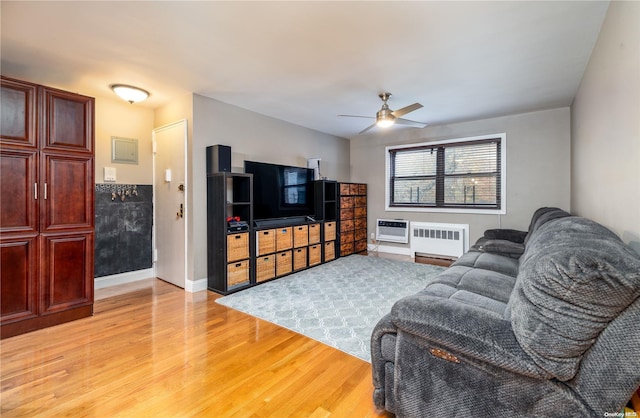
x,y
392,230
437,239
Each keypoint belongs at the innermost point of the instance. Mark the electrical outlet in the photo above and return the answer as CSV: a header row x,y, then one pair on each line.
x,y
373,236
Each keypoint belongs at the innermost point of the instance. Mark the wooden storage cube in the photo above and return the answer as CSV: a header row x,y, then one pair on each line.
x,y
360,212
353,188
329,231
266,241
347,202
314,234
361,234
346,214
283,263
284,239
329,250
362,189
315,254
347,225
265,268
300,236
237,273
299,258
346,248
237,246
361,201
345,188
361,246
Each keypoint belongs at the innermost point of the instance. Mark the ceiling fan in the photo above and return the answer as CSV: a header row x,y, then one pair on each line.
x,y
386,117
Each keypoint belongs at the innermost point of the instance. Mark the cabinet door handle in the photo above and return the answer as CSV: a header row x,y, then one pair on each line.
x,y
45,191
35,191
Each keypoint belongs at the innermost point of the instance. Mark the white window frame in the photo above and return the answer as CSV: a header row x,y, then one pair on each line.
x,y
503,177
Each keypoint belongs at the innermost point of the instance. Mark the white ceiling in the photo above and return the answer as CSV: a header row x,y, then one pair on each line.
x,y
307,62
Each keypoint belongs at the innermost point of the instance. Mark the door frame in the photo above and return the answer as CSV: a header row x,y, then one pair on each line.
x,y
186,197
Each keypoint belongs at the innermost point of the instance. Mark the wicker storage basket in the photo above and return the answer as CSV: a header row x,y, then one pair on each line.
x,y
237,273
265,268
284,239
329,250
283,263
266,241
300,258
329,231
237,246
314,234
300,236
315,254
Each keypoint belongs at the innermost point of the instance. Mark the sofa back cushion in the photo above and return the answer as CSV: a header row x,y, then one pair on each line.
x,y
578,276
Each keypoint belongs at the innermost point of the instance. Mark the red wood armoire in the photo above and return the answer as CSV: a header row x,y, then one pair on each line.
x,y
46,206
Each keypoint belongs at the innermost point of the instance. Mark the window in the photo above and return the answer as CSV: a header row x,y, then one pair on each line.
x,y
461,175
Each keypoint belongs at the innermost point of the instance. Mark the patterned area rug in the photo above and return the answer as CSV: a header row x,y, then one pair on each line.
x,y
337,303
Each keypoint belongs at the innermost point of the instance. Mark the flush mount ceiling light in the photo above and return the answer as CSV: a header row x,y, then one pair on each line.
x,y
131,94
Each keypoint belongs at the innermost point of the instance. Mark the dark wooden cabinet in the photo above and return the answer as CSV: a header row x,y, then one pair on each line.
x,y
47,216
352,218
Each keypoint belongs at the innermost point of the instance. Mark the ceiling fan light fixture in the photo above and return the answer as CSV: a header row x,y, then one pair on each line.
x,y
384,118
131,94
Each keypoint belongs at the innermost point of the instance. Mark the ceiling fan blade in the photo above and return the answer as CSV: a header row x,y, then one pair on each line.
x,y
366,129
356,116
401,112
401,121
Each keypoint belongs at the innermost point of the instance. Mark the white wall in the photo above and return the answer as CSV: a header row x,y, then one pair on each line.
x,y
605,119
538,167
252,137
115,117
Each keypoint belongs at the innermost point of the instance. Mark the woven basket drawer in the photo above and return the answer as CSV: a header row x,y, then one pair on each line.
x,y
315,254
300,258
237,246
266,241
329,231
300,236
265,268
284,239
329,250
237,273
283,263
314,234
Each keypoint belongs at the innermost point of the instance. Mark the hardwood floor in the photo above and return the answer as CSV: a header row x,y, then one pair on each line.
x,y
153,350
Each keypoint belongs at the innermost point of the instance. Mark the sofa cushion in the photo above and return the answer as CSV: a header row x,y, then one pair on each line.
x,y
581,277
487,261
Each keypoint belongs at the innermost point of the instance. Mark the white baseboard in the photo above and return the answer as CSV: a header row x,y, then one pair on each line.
x,y
390,249
195,286
121,278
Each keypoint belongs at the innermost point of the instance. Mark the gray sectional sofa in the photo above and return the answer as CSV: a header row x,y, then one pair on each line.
x,y
542,323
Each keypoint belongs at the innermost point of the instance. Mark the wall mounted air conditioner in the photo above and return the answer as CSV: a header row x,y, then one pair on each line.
x,y
392,230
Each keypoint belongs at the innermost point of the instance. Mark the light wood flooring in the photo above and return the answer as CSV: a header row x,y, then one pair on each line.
x,y
153,350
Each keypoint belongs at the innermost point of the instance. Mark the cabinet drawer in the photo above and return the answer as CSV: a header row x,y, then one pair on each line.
x,y
237,273
300,258
354,188
266,241
237,246
346,214
345,188
347,202
315,254
362,189
361,234
361,201
329,250
346,248
361,223
265,268
284,239
283,263
360,212
314,234
361,246
329,231
300,236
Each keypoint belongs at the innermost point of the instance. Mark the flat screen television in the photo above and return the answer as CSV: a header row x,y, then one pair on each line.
x,y
280,191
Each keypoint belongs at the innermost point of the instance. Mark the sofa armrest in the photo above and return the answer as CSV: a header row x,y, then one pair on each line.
x,y
465,329
512,235
502,247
